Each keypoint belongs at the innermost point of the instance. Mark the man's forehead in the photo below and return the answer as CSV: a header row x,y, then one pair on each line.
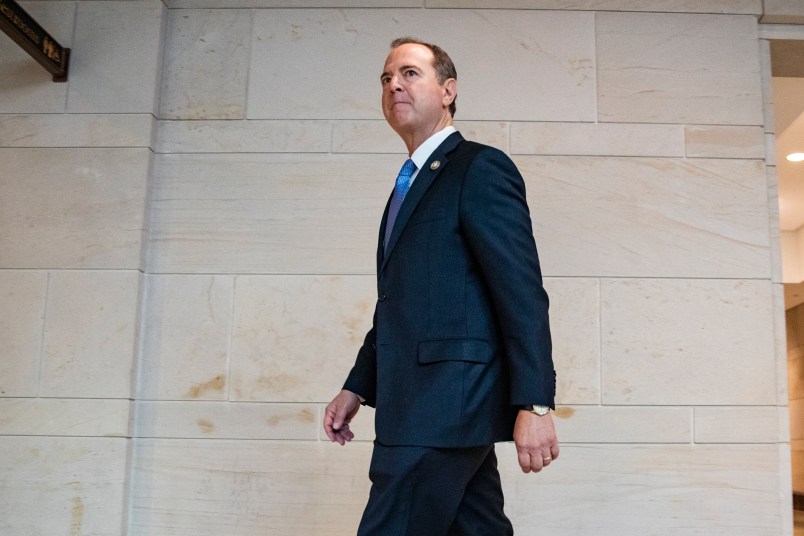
x,y
409,54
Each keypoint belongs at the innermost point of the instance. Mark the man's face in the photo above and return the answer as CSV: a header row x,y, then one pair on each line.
x,y
413,101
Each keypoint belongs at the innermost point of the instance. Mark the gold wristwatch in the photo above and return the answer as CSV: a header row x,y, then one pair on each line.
x,y
537,409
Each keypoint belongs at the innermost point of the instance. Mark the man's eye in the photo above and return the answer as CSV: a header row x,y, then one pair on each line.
x,y
385,79
410,72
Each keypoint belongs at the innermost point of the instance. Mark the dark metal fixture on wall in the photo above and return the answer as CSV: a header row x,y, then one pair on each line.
x,y
28,34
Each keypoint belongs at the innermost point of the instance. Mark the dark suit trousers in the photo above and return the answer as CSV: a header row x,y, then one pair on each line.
x,y
422,491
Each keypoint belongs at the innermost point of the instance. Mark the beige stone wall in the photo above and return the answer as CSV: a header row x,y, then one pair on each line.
x,y
187,257
76,160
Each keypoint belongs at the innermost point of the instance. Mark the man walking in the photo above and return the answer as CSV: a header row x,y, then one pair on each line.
x,y
459,354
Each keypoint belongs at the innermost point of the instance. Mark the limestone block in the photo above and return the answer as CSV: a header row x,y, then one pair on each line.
x,y
89,334
64,417
26,86
789,516
215,4
115,62
268,213
783,12
266,488
494,133
779,340
378,137
206,65
633,490
227,420
366,137
770,149
62,485
592,216
660,68
323,44
603,139
295,338
748,7
72,208
774,225
649,217
85,130
244,137
724,142
751,7
704,342
783,423
575,330
22,311
600,424
737,425
766,75
254,487
186,337
551,53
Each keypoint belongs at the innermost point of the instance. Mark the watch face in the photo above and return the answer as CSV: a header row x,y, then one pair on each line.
x,y
540,410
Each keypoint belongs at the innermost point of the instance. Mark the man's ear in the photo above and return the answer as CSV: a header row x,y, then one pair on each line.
x,y
450,91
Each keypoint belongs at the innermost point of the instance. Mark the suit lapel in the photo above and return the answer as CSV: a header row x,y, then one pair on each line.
x,y
383,223
427,174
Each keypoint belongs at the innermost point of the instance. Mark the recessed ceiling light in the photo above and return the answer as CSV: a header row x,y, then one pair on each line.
x,y
796,157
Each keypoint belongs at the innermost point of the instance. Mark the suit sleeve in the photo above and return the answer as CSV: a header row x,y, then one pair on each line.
x,y
362,379
496,224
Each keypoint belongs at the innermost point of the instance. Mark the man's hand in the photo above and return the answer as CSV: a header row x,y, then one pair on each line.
x,y
339,414
535,440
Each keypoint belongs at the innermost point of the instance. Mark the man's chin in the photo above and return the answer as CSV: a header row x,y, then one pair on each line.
x,y
398,122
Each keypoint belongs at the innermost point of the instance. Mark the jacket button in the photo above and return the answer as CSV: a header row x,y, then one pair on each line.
x,y
382,297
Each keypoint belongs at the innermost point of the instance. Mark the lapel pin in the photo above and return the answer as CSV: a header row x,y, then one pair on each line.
x,y
435,165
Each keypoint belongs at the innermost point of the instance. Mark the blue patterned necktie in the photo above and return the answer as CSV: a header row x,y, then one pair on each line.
x,y
400,190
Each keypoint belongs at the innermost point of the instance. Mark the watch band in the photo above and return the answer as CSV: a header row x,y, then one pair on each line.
x,y
537,409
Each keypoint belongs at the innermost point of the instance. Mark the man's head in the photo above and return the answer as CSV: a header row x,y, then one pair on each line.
x,y
442,63
419,88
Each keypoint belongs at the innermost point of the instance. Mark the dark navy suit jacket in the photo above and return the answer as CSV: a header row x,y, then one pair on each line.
x,y
460,338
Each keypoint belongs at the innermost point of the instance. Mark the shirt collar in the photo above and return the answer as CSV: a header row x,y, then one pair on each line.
x,y
424,150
